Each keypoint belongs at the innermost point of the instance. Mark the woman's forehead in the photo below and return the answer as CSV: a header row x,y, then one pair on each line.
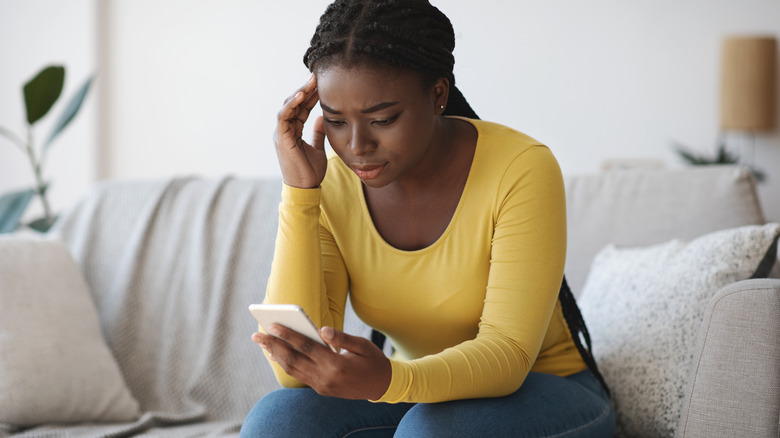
x,y
364,87
364,72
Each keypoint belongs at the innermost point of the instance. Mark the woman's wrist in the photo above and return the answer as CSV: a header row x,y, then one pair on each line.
x,y
298,195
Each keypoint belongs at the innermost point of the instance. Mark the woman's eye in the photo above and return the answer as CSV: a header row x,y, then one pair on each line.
x,y
384,122
335,123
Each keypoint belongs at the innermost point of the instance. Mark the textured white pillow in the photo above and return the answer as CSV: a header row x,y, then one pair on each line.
x,y
54,363
643,308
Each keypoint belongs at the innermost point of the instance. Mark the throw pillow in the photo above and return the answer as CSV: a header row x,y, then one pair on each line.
x,y
643,308
55,366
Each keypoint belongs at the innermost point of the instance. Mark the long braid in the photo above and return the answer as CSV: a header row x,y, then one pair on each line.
x,y
573,317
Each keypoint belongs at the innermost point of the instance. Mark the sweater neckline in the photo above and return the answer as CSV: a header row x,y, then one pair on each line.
x,y
453,220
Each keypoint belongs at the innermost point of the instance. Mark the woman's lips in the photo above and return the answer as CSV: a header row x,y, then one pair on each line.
x,y
367,172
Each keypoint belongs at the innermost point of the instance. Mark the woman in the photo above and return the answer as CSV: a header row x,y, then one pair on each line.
x,y
447,232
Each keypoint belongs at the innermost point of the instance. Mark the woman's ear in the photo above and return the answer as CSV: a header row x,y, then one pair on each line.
x,y
441,93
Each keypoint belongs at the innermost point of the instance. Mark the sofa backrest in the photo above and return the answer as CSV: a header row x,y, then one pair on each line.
x,y
173,265
644,207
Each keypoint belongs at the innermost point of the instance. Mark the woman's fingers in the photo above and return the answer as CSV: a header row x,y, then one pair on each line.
x,y
289,123
305,89
318,139
295,111
294,352
305,107
302,165
298,341
359,371
342,341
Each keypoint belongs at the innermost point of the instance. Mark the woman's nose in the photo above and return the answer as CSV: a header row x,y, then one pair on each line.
x,y
361,143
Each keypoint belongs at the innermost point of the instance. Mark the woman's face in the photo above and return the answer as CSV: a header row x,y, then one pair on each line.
x,y
382,124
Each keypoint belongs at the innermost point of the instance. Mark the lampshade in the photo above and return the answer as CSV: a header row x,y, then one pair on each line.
x,y
748,83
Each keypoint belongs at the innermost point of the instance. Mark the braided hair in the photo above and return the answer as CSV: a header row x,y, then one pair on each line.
x,y
411,35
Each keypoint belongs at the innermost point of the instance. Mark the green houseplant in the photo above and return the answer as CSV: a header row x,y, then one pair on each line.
x,y
722,156
40,94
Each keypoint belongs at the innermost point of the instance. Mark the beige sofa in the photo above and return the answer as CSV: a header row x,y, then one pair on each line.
x,y
173,265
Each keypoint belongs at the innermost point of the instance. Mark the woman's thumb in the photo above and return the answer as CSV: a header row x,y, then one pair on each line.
x,y
319,133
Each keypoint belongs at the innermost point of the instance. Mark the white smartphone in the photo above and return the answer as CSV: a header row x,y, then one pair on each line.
x,y
291,316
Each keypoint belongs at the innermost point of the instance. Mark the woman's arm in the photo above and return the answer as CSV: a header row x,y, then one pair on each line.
x,y
297,268
307,268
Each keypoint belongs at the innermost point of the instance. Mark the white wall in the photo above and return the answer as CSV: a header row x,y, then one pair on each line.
x,y
33,34
193,86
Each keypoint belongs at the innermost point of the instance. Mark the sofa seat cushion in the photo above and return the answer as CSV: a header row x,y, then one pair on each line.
x,y
55,366
644,306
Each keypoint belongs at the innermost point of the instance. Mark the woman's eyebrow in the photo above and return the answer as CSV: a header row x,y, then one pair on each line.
x,y
372,109
378,107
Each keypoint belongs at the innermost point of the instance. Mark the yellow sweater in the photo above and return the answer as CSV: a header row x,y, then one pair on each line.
x,y
469,315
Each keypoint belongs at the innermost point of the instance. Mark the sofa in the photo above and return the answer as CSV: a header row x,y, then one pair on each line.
x,y
152,279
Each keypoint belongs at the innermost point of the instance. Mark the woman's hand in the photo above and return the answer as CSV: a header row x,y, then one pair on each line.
x,y
303,165
359,371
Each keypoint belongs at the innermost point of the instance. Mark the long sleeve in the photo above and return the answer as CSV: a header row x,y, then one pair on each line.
x,y
307,269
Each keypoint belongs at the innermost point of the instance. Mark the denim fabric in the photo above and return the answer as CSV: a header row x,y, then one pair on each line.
x,y
545,406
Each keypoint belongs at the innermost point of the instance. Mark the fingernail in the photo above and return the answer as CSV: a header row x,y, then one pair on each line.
x,y
275,330
327,332
299,94
311,78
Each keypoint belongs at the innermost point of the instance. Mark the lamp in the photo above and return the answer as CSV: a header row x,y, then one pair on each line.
x,y
748,85
748,80
748,95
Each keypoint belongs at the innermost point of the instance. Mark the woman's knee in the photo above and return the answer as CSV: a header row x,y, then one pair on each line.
x,y
545,406
304,413
281,413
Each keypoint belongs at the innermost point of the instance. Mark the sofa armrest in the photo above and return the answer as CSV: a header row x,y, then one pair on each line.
x,y
734,383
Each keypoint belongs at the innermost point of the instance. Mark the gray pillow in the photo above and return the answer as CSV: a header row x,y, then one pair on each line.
x,y
643,307
55,366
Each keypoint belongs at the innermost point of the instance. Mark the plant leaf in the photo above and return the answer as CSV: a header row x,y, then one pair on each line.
x,y
724,157
12,207
69,112
42,225
15,139
42,91
690,157
758,174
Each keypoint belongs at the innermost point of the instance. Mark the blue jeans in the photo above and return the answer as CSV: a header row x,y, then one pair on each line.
x,y
545,406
